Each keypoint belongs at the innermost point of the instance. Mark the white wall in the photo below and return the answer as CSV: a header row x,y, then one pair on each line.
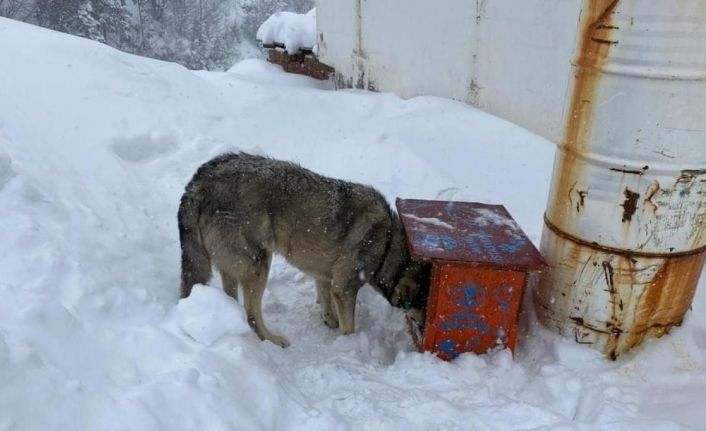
x,y
412,49
337,32
508,57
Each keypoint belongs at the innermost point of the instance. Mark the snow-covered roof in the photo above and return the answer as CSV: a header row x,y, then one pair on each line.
x,y
291,31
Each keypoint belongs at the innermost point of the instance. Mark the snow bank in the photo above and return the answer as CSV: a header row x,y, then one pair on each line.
x,y
292,30
209,314
95,149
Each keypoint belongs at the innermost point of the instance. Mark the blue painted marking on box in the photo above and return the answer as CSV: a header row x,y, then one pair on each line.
x,y
430,240
467,296
470,295
448,347
455,326
490,248
513,246
433,241
449,243
479,243
482,242
473,244
502,295
464,320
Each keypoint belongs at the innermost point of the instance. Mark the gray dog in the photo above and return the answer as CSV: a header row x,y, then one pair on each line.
x,y
239,209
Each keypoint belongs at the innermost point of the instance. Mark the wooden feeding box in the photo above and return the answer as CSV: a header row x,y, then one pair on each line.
x,y
480,262
303,62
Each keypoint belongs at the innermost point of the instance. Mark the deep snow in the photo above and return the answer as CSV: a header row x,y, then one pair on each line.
x,y
293,30
95,149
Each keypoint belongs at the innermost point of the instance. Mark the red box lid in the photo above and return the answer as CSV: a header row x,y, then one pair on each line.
x,y
467,232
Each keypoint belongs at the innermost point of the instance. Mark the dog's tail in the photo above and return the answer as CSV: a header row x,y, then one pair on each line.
x,y
195,261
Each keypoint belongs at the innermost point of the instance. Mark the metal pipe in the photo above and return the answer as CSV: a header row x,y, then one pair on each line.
x,y
625,226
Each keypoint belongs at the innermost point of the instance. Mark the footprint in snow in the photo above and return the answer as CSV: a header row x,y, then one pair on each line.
x,y
144,147
6,171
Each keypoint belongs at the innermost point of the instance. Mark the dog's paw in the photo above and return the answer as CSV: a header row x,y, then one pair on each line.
x,y
330,320
280,341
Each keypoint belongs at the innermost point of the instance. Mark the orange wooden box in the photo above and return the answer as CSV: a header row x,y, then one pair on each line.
x,y
480,262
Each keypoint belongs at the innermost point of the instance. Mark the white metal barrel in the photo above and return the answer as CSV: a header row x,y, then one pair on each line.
x,y
625,226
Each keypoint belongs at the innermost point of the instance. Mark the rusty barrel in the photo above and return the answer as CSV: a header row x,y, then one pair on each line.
x,y
625,223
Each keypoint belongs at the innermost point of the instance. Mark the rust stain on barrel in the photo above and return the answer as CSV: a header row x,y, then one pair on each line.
x,y
592,53
593,49
651,191
589,59
646,293
630,204
664,300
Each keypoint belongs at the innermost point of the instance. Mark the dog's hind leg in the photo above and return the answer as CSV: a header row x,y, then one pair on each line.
x,y
195,267
323,293
195,260
254,282
230,285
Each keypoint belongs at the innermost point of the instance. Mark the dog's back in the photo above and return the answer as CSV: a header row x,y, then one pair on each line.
x,y
259,204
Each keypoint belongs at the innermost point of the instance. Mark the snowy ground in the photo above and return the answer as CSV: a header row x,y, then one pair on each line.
x,y
95,149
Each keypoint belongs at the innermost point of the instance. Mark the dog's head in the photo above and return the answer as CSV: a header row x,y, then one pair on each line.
x,y
411,291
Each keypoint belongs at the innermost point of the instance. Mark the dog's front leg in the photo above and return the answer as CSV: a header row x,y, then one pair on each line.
x,y
323,293
344,292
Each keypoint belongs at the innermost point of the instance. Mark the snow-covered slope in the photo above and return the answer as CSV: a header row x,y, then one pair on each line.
x,y
95,149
